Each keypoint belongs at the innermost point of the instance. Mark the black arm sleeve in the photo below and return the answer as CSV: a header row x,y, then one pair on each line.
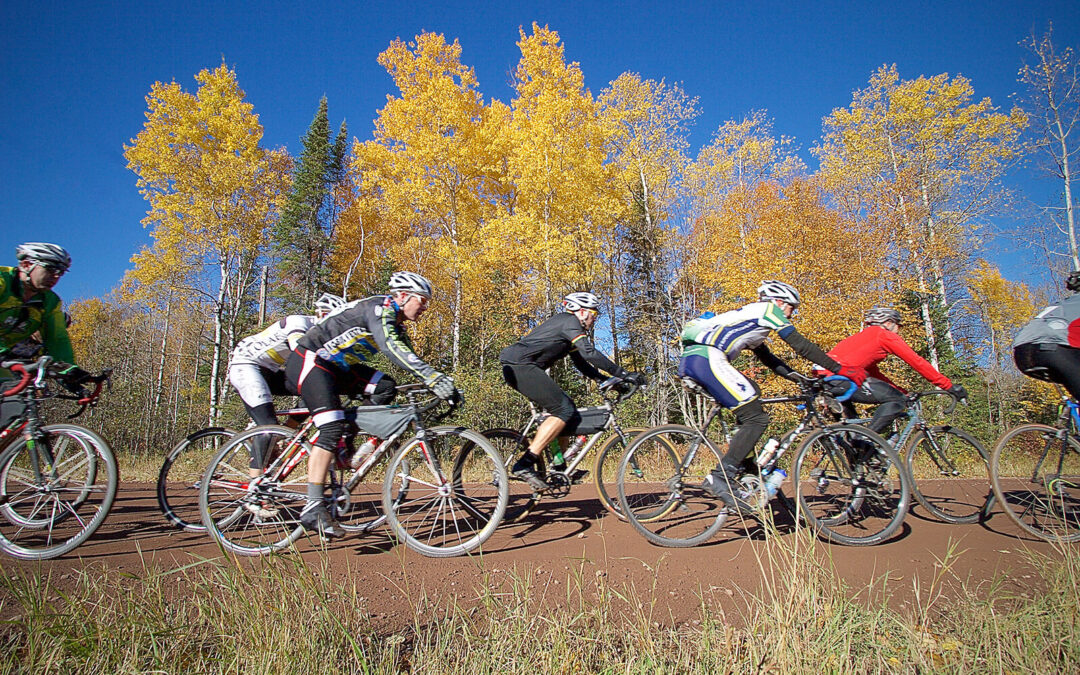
x,y
774,362
585,367
810,351
584,354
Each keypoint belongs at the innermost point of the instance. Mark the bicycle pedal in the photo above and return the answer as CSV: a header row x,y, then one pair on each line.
x,y
261,511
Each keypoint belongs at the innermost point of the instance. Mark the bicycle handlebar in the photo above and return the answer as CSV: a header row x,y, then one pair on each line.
x,y
27,371
949,407
613,383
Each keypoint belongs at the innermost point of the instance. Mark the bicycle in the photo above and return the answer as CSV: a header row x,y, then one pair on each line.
x,y
57,481
182,470
953,455
595,424
436,512
1035,472
844,476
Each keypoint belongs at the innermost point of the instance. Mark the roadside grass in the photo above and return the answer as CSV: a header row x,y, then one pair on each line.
x,y
285,614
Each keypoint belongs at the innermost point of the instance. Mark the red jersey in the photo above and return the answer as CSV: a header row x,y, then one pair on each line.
x,y
872,344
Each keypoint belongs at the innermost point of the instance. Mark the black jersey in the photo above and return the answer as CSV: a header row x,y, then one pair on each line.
x,y
560,335
356,331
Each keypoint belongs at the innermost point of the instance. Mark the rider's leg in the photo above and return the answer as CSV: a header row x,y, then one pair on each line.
x,y
892,403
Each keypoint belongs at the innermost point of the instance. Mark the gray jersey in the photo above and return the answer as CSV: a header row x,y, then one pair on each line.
x,y
1057,324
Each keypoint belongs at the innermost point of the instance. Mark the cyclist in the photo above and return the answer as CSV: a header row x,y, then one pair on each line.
x,y
28,305
711,342
525,361
257,364
880,337
329,361
1048,347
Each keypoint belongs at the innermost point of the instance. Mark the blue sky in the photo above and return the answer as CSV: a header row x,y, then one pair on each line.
x,y
74,77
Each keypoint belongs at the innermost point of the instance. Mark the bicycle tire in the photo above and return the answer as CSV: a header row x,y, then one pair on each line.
x,y
866,500
439,513
181,473
511,444
254,521
961,494
45,521
1037,481
609,492
660,486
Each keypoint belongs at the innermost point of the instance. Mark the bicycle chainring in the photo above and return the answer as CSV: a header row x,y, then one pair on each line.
x,y
558,485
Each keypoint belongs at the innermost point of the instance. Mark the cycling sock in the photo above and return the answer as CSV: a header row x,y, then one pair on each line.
x,y
314,492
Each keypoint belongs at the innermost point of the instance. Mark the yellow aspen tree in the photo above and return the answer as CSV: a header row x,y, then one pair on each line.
x,y
922,157
213,191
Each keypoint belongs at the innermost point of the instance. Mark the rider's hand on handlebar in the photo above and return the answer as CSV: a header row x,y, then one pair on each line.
x,y
958,392
443,387
636,378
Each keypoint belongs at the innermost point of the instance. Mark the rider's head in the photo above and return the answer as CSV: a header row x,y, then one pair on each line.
x,y
411,292
327,303
886,317
584,305
785,295
41,265
1072,282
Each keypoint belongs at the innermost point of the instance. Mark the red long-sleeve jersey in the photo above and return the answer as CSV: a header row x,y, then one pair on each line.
x,y
871,345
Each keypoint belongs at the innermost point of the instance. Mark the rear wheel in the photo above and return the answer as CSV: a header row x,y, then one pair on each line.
x,y
255,516
178,480
950,474
660,486
1036,479
850,485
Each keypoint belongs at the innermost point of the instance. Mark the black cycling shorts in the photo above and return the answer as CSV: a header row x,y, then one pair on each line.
x,y
320,383
1050,362
537,386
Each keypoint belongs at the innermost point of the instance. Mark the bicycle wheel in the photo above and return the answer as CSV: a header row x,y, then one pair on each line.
x,y
255,518
48,514
850,485
440,500
606,467
510,445
950,474
659,486
183,468
1036,478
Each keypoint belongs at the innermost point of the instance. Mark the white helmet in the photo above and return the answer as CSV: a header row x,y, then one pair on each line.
x,y
581,300
778,290
876,316
46,254
327,303
410,282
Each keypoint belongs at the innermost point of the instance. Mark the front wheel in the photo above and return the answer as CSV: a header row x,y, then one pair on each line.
x,y
850,485
660,489
55,491
950,474
606,469
511,445
183,468
441,500
1036,478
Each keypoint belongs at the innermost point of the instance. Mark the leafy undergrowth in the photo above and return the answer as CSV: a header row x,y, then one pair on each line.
x,y
285,615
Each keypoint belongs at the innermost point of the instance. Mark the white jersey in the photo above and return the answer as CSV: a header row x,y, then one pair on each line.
x,y
270,348
734,331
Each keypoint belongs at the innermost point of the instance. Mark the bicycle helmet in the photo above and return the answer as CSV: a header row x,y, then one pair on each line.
x,y
410,282
327,303
1072,282
778,290
581,300
45,254
875,316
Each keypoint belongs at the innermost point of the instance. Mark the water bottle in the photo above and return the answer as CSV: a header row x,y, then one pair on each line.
x,y
574,447
363,452
774,481
768,452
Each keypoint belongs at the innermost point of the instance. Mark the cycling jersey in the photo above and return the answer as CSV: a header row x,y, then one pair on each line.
x,y
19,320
1056,324
270,347
872,344
552,340
356,331
734,331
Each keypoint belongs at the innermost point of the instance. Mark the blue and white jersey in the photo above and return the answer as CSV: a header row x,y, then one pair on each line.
x,y
734,331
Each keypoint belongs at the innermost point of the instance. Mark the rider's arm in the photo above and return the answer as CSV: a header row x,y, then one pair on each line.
x,y
296,326
895,344
392,341
772,361
589,361
55,337
806,349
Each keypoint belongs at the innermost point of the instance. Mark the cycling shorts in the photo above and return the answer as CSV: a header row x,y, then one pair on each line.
x,y
722,380
319,383
537,386
255,384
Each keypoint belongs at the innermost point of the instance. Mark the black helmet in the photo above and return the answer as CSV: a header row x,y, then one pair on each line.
x,y
1072,282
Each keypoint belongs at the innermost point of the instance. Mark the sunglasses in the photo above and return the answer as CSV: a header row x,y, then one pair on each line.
x,y
51,268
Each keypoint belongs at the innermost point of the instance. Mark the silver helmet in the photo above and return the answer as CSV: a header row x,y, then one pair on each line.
x,y
581,300
875,316
778,290
410,282
46,254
